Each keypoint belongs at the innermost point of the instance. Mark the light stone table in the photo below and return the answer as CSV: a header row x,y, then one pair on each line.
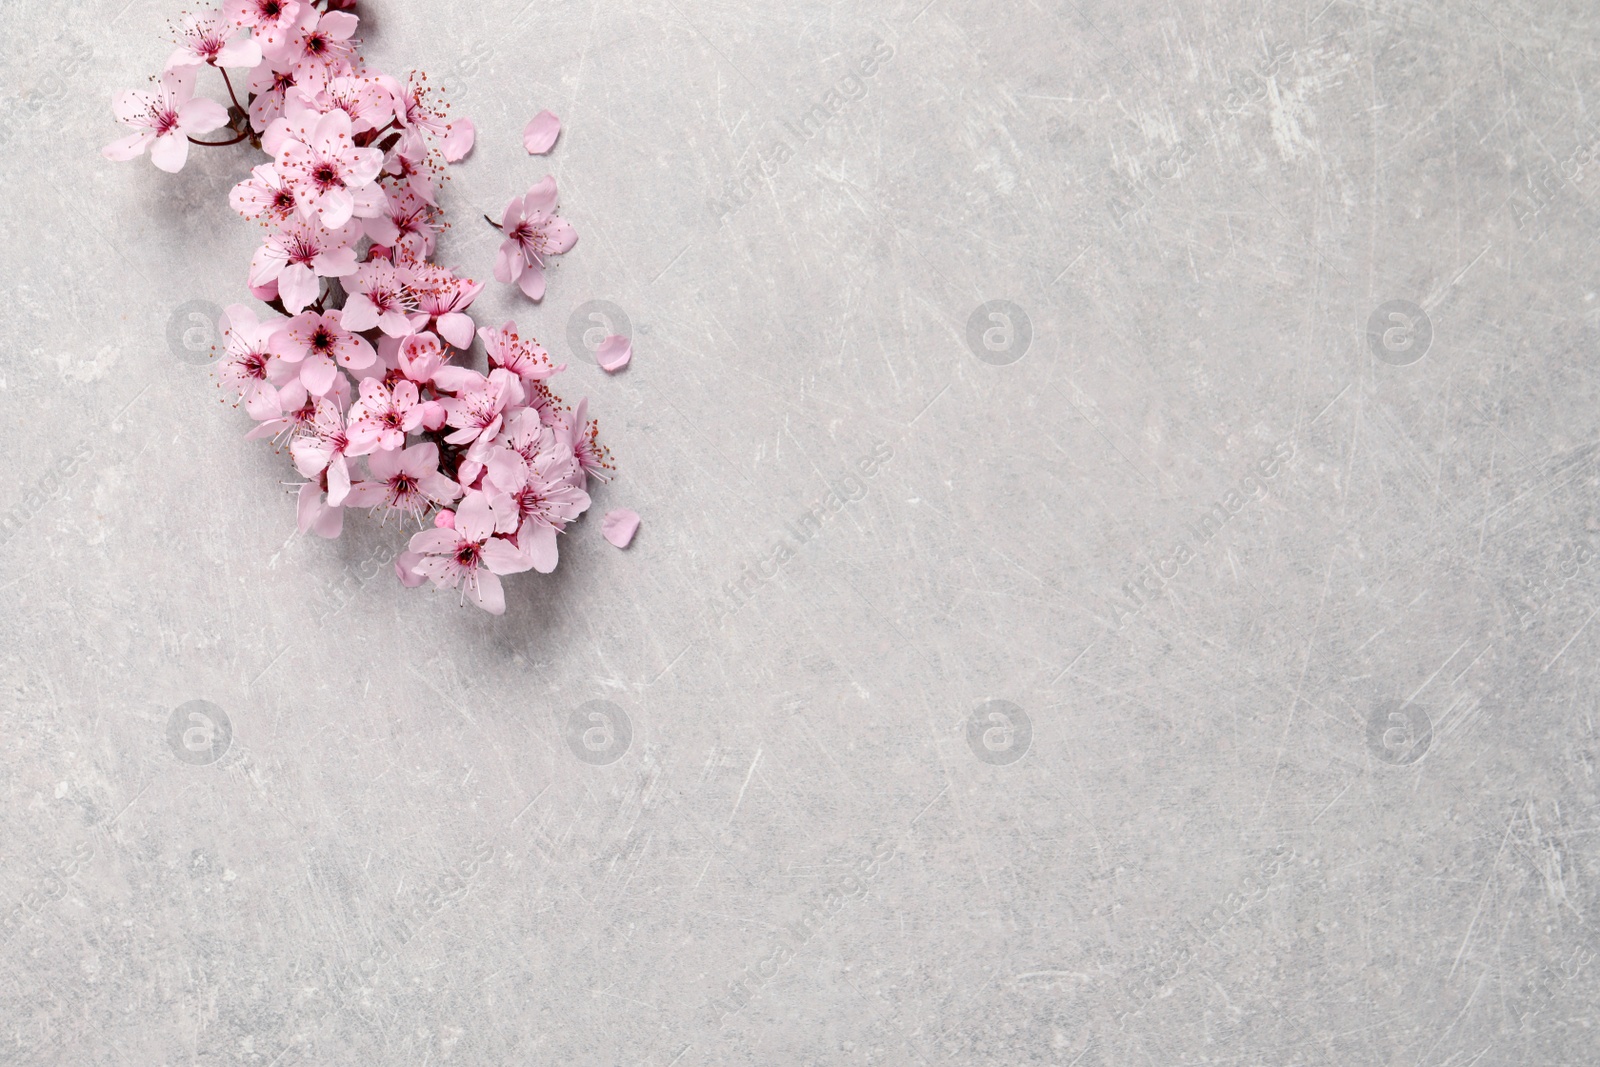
x,y
1117,582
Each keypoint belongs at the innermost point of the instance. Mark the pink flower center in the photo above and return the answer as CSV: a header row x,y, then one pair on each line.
x,y
326,175
467,553
322,341
166,120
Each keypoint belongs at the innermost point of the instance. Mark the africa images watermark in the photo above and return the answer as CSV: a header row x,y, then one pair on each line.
x,y
741,990
791,136
850,488
1152,581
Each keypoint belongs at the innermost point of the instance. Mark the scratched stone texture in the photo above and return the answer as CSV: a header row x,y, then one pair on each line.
x,y
1116,586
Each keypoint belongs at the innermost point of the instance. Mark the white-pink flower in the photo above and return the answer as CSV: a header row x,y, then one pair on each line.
x,y
532,232
320,345
248,365
263,193
319,49
539,475
410,480
164,119
332,177
406,219
471,555
269,21
379,300
297,253
524,358
323,447
208,37
380,420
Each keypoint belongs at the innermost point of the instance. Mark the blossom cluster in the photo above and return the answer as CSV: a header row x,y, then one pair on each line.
x,y
361,367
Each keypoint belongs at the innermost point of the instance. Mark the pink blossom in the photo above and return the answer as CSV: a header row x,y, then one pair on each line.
x,y
471,555
330,174
263,193
248,364
414,110
207,38
583,437
271,89
419,357
478,407
270,21
539,475
320,345
323,446
165,120
442,298
379,300
363,99
281,413
532,232
411,481
319,49
383,416
525,358
317,515
297,253
405,219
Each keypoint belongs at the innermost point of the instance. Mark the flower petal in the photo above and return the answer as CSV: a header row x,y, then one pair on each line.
x,y
539,136
614,353
487,592
458,142
619,525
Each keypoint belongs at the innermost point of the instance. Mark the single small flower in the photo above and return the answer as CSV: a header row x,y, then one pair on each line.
x,y
410,480
208,37
320,345
532,232
582,435
442,298
478,406
407,161
297,253
164,119
379,300
472,555
248,365
333,177
280,413
269,21
405,219
319,49
271,89
419,357
264,193
367,103
414,110
538,473
323,446
524,358
380,420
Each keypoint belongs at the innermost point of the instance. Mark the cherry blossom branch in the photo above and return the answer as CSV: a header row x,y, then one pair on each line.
x,y
220,144
231,94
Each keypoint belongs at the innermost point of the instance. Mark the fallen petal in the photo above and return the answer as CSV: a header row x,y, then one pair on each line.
x,y
614,353
618,526
540,134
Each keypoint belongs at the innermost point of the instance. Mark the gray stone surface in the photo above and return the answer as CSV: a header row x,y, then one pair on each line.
x,y
935,790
